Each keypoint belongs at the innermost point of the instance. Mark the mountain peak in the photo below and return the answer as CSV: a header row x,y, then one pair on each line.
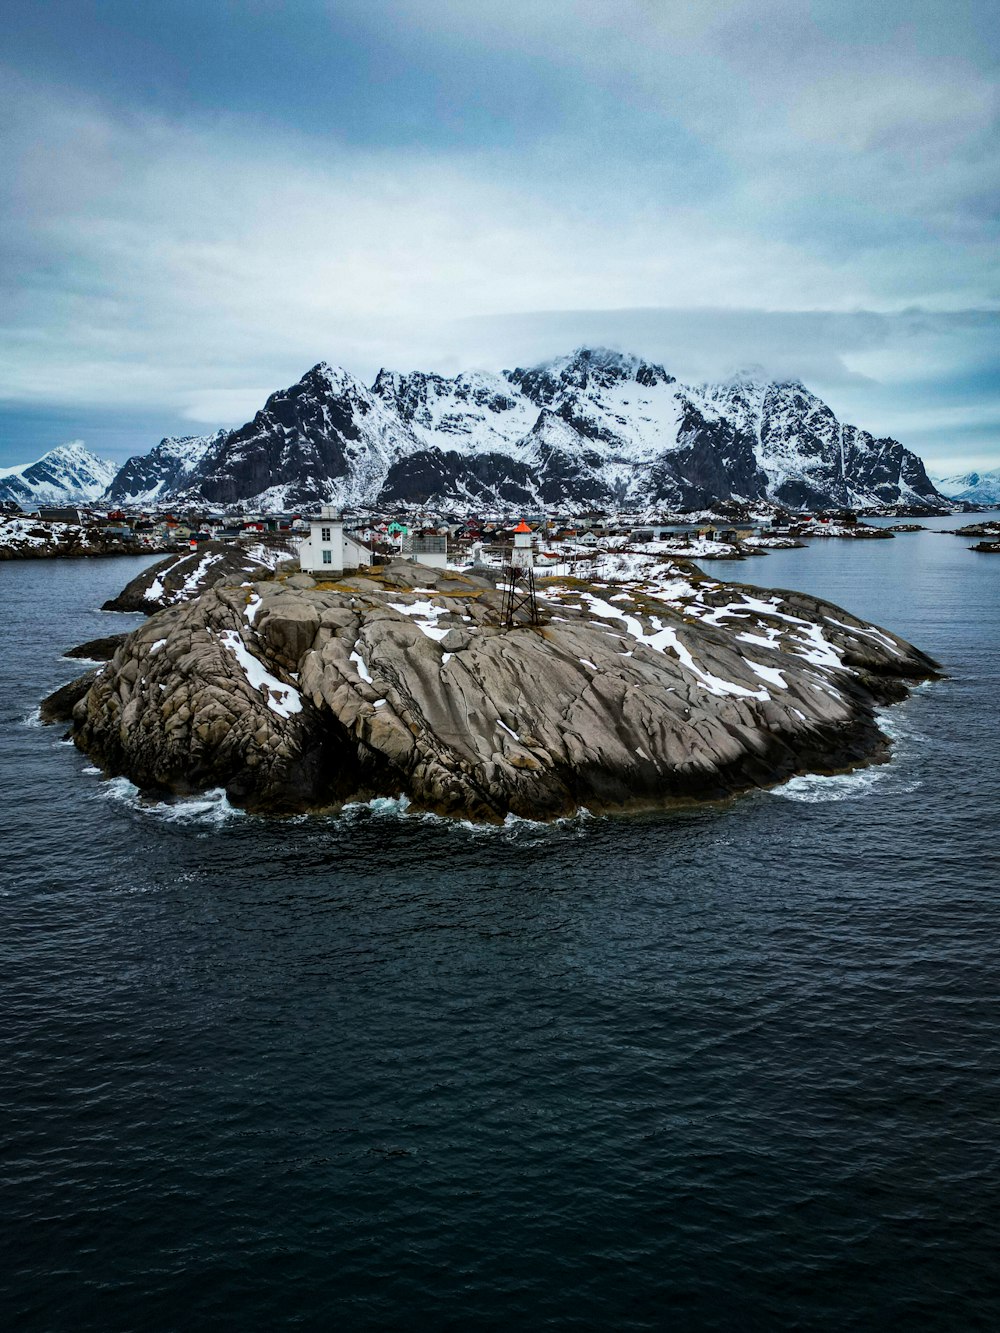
x,y
597,427
605,365
332,378
68,473
598,373
71,451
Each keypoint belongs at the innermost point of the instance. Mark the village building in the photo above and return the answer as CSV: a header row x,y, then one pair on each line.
x,y
426,548
329,549
61,514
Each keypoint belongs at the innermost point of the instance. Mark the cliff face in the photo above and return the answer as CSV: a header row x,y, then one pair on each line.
x,y
164,472
297,696
596,428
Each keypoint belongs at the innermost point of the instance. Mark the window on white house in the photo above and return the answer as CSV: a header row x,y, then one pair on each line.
x,y
327,557
325,535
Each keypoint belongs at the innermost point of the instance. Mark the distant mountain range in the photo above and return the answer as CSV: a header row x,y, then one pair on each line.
x,y
973,487
592,429
62,476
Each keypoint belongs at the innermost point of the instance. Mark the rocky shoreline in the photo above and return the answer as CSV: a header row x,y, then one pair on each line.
x,y
298,696
36,539
187,573
989,528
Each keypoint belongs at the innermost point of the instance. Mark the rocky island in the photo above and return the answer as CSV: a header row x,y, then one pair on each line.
x,y
990,529
297,695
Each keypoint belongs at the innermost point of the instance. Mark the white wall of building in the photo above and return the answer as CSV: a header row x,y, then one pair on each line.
x,y
432,550
328,549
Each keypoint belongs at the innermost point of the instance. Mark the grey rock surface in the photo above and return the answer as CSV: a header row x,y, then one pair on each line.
x,y
186,574
59,705
97,650
669,686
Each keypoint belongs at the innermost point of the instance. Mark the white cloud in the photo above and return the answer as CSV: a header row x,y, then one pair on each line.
x,y
227,407
722,183
175,262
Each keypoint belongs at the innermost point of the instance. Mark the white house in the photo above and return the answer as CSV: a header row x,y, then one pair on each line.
x,y
427,550
329,549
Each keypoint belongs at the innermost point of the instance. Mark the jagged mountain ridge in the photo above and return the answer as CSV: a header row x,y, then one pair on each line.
x,y
596,428
67,474
972,487
164,472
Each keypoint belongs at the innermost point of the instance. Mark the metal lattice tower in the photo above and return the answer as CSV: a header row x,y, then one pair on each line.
x,y
520,606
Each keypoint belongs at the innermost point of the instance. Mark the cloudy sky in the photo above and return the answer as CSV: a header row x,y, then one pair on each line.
x,y
199,199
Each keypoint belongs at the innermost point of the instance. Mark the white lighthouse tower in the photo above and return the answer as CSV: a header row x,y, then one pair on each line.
x,y
521,556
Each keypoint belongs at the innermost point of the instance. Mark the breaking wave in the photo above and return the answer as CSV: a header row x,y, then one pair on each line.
x,y
897,776
208,809
400,808
812,788
212,809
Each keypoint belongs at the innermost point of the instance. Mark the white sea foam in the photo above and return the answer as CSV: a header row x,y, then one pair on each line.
x,y
211,809
121,790
208,809
897,725
814,788
400,808
379,807
897,776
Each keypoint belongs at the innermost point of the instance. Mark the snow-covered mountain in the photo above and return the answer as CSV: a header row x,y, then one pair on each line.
x,y
68,474
327,437
164,472
595,428
975,487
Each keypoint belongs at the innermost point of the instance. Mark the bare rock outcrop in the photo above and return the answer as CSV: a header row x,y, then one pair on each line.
x,y
97,650
186,574
59,705
629,694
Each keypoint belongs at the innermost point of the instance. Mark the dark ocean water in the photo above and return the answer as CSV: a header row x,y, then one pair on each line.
x,y
735,1068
